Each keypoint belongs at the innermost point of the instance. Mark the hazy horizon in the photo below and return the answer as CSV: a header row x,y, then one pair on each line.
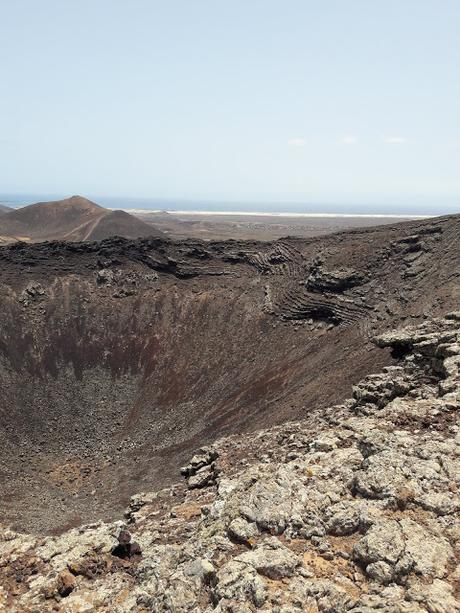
x,y
354,104
273,207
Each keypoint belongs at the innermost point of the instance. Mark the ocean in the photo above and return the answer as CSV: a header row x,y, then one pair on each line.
x,y
243,207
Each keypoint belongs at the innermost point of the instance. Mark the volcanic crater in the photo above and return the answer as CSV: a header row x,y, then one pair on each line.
x,y
119,358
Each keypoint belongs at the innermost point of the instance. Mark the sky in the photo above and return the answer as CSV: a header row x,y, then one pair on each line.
x,y
286,101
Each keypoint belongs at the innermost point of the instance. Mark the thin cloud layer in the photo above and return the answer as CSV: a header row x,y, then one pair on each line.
x,y
296,142
349,140
394,140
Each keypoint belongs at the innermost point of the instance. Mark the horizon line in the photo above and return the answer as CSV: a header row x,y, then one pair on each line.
x,y
274,214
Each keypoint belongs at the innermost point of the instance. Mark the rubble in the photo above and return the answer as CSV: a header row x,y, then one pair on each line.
x,y
355,510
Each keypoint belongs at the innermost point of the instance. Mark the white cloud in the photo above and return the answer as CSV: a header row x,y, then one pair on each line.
x,y
394,140
349,140
296,142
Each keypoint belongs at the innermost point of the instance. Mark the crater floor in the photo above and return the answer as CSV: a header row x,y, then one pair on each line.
x,y
119,358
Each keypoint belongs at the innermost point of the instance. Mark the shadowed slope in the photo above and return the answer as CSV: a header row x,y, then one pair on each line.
x,y
120,223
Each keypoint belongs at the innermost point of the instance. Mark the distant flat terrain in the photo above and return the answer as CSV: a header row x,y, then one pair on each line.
x,y
265,227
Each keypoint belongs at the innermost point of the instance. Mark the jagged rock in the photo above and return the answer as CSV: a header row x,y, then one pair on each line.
x,y
384,475
32,292
242,531
379,390
65,583
269,504
347,517
324,443
272,560
441,503
201,569
202,477
383,542
204,458
240,582
201,470
364,517
125,548
428,553
321,280
380,571
105,276
137,502
436,597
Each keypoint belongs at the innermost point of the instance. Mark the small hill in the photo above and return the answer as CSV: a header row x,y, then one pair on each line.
x,y
120,223
4,209
73,219
47,220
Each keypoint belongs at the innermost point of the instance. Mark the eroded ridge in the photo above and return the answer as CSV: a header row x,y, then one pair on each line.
x,y
353,509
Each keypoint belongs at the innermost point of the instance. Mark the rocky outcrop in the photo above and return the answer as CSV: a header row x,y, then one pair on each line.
x,y
335,281
353,510
31,293
201,470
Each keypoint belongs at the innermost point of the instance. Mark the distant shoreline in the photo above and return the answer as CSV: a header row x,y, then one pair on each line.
x,y
278,214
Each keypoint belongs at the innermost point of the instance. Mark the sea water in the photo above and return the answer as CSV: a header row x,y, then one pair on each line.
x,y
295,209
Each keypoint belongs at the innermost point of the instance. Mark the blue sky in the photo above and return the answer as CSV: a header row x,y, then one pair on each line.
x,y
291,101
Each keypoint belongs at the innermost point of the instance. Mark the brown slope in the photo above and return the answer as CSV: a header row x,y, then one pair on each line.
x,y
120,223
4,209
48,220
72,219
118,358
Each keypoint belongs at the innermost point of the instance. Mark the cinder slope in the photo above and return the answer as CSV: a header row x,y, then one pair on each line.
x,y
45,220
72,219
4,209
120,223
